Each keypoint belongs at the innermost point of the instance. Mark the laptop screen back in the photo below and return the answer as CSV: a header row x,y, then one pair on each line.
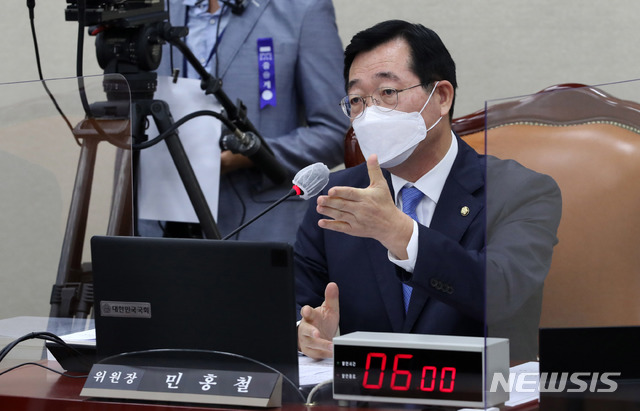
x,y
229,296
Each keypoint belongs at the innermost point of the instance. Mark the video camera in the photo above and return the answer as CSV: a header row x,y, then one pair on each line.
x,y
119,12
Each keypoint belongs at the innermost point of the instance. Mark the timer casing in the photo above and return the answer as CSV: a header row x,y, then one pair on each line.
x,y
419,368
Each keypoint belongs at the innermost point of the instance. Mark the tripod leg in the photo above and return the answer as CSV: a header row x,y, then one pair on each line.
x,y
159,110
72,294
69,275
121,216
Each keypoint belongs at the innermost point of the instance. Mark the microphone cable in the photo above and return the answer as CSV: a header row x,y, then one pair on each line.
x,y
46,336
80,58
236,192
15,367
31,4
180,122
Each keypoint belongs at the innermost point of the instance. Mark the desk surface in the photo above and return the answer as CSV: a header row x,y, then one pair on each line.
x,y
34,388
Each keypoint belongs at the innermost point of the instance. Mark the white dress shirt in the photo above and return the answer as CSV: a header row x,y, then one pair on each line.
x,y
431,184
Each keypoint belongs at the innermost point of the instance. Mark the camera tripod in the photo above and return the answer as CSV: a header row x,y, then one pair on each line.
x,y
130,47
72,294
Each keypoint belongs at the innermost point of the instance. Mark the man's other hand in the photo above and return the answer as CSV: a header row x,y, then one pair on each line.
x,y
319,325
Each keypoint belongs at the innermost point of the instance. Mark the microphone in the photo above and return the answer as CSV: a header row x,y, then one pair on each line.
x,y
307,183
311,180
249,145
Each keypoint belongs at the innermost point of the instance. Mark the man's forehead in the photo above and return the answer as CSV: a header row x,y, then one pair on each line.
x,y
388,61
382,75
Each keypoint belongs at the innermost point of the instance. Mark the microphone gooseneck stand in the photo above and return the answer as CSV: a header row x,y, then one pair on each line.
x,y
291,193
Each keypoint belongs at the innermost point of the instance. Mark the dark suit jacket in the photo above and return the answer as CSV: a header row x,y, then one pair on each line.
x,y
500,253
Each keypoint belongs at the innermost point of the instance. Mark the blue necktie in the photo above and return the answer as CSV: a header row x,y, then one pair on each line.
x,y
411,196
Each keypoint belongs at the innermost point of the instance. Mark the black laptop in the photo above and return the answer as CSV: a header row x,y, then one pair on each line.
x,y
191,294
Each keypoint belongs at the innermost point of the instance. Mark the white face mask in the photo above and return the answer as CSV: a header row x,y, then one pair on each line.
x,y
392,135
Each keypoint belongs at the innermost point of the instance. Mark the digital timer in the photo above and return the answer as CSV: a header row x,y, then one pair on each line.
x,y
419,368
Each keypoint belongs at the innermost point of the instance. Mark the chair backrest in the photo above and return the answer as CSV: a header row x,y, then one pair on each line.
x,y
589,142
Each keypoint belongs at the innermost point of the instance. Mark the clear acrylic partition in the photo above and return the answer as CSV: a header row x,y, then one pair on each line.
x,y
588,140
65,158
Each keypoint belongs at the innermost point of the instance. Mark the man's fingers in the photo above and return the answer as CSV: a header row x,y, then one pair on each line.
x,y
310,340
342,196
306,312
311,317
338,226
331,297
336,214
345,192
375,172
316,348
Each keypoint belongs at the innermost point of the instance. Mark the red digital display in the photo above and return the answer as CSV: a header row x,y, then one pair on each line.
x,y
431,378
410,373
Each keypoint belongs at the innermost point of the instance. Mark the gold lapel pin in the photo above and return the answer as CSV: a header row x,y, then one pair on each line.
x,y
464,211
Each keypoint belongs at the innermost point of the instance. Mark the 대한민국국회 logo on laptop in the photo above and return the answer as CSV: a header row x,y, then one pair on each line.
x,y
125,309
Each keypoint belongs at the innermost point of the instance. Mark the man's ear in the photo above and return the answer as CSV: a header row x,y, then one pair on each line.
x,y
444,95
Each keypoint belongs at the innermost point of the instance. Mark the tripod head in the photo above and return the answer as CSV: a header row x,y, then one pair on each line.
x,y
129,37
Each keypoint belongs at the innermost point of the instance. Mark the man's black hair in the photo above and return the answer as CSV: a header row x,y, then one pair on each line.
x,y
430,59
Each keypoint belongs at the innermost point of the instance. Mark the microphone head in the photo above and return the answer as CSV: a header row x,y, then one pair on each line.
x,y
312,179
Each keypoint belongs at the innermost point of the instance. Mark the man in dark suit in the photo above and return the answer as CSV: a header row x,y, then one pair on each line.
x,y
428,236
